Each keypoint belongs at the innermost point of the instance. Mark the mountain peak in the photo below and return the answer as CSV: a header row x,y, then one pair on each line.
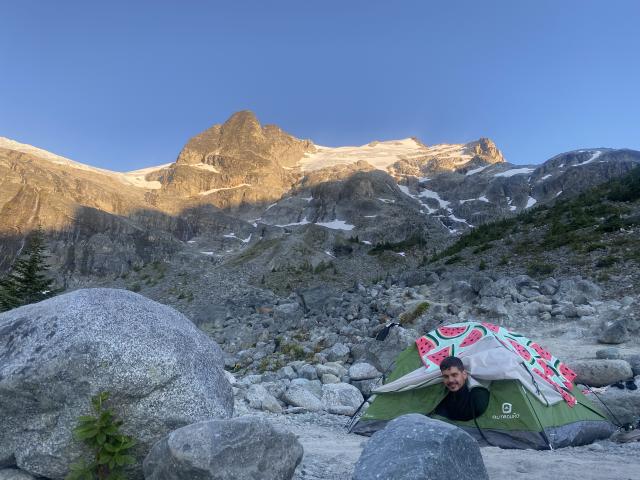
x,y
242,136
242,122
486,149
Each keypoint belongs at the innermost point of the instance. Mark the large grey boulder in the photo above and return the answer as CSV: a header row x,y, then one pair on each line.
x,y
634,361
415,447
622,405
598,373
245,448
162,373
382,353
615,334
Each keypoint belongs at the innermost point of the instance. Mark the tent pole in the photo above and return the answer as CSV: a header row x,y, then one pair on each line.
x,y
542,432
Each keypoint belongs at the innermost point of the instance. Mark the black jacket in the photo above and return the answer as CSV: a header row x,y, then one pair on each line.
x,y
464,404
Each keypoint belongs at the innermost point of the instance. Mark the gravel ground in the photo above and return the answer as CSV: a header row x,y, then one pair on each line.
x,y
330,454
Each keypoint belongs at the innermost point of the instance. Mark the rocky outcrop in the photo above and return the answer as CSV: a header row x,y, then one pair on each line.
x,y
243,448
161,371
597,373
415,447
226,159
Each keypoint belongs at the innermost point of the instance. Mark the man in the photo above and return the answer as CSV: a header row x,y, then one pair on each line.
x,y
461,403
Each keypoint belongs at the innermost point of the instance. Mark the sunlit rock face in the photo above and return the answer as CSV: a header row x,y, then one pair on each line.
x,y
239,182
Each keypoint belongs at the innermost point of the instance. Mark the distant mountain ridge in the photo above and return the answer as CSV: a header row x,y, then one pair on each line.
x,y
240,183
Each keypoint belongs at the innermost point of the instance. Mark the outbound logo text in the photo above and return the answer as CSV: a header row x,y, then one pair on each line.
x,y
507,413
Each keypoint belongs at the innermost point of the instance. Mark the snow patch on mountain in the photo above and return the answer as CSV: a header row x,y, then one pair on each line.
x,y
594,156
514,171
431,194
135,178
214,190
381,155
337,225
475,170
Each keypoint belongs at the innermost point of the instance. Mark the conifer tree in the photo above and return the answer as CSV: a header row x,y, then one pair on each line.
x,y
27,282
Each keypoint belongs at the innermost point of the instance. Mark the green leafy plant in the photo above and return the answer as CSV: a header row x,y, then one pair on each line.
x,y
101,433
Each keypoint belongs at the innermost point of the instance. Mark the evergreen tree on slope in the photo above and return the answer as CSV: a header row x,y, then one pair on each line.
x,y
27,282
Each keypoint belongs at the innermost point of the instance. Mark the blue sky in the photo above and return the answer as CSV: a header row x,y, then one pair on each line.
x,y
124,85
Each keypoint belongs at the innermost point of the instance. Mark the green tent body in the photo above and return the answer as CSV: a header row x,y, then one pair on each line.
x,y
532,403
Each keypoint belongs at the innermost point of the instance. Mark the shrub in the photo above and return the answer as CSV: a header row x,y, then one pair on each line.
x,y
483,265
483,248
101,433
590,247
294,350
535,269
322,266
626,189
605,262
414,240
452,260
413,315
613,223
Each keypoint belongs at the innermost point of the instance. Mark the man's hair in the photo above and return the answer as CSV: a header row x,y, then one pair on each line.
x,y
449,362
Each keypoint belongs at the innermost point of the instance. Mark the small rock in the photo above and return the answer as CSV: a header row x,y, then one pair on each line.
x,y
334,368
259,398
287,372
250,380
299,396
585,310
608,354
363,371
341,398
615,334
309,372
545,316
570,311
339,352
549,286
329,378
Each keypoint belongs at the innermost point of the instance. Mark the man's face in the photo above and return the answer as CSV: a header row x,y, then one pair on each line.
x,y
454,378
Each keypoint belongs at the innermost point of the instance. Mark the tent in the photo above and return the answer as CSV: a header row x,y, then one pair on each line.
x,y
533,402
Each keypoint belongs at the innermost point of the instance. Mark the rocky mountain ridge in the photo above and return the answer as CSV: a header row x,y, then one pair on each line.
x,y
260,200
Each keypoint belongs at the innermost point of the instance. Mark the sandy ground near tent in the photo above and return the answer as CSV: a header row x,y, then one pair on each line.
x,y
331,454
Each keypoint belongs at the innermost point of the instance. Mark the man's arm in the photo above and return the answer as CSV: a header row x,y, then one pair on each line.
x,y
479,400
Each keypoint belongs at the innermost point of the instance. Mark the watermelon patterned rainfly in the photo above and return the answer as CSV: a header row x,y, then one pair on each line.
x,y
455,338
